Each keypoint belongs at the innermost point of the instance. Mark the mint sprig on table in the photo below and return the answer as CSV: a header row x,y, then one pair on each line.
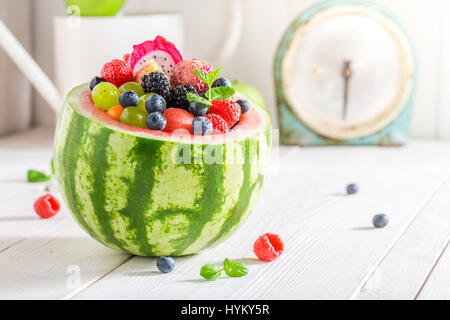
x,y
218,93
232,269
34,176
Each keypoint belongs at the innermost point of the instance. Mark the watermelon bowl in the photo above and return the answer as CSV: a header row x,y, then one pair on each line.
x,y
151,193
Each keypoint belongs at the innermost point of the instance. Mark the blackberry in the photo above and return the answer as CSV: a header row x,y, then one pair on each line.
x,y
156,82
178,98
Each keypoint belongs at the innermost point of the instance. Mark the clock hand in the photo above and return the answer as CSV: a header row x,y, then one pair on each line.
x,y
346,74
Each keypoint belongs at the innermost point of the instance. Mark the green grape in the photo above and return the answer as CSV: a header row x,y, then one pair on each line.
x,y
105,95
142,100
134,117
132,86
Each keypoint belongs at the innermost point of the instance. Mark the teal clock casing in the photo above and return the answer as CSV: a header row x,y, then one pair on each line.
x,y
331,49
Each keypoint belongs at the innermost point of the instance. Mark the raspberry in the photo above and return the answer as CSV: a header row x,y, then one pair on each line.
x,y
227,109
156,82
177,119
178,98
183,73
117,72
46,206
268,247
219,125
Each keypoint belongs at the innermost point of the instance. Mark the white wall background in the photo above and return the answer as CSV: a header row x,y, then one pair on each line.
x,y
265,22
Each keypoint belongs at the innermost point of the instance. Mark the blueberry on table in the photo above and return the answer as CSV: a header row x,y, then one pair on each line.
x,y
165,264
129,99
352,188
155,103
201,126
222,82
156,121
245,105
198,109
380,221
95,82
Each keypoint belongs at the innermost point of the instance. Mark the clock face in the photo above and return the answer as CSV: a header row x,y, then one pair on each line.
x,y
349,72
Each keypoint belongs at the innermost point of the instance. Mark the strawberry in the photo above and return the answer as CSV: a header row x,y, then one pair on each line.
x,y
177,119
220,126
183,73
227,109
117,72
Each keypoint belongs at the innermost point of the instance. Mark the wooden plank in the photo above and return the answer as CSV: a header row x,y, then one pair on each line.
x,y
406,267
438,285
331,247
57,261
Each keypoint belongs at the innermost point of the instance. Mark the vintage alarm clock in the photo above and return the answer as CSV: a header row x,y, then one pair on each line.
x,y
345,74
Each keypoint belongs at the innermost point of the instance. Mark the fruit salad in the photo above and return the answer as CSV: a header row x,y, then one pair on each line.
x,y
154,88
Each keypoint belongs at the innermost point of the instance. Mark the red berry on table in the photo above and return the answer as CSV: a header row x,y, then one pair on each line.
x,y
219,125
117,72
227,109
268,247
47,206
177,119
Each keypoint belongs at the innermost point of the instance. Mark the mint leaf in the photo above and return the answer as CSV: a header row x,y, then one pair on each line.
x,y
37,176
210,272
213,75
203,76
195,98
220,93
234,269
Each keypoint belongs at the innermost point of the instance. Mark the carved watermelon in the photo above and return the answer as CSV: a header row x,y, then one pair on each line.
x,y
151,193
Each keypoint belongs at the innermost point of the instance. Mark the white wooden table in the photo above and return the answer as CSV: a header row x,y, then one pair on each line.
x,y
332,251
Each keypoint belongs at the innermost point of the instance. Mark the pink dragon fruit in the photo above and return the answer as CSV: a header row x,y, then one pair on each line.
x,y
160,50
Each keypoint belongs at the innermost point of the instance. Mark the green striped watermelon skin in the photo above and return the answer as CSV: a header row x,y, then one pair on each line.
x,y
135,195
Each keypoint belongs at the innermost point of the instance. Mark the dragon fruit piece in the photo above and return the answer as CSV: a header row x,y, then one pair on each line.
x,y
160,50
183,73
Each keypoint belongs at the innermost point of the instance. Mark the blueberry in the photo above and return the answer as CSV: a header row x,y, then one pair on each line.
x,y
245,105
352,188
156,121
201,126
221,82
95,82
129,99
165,264
198,109
380,220
155,103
